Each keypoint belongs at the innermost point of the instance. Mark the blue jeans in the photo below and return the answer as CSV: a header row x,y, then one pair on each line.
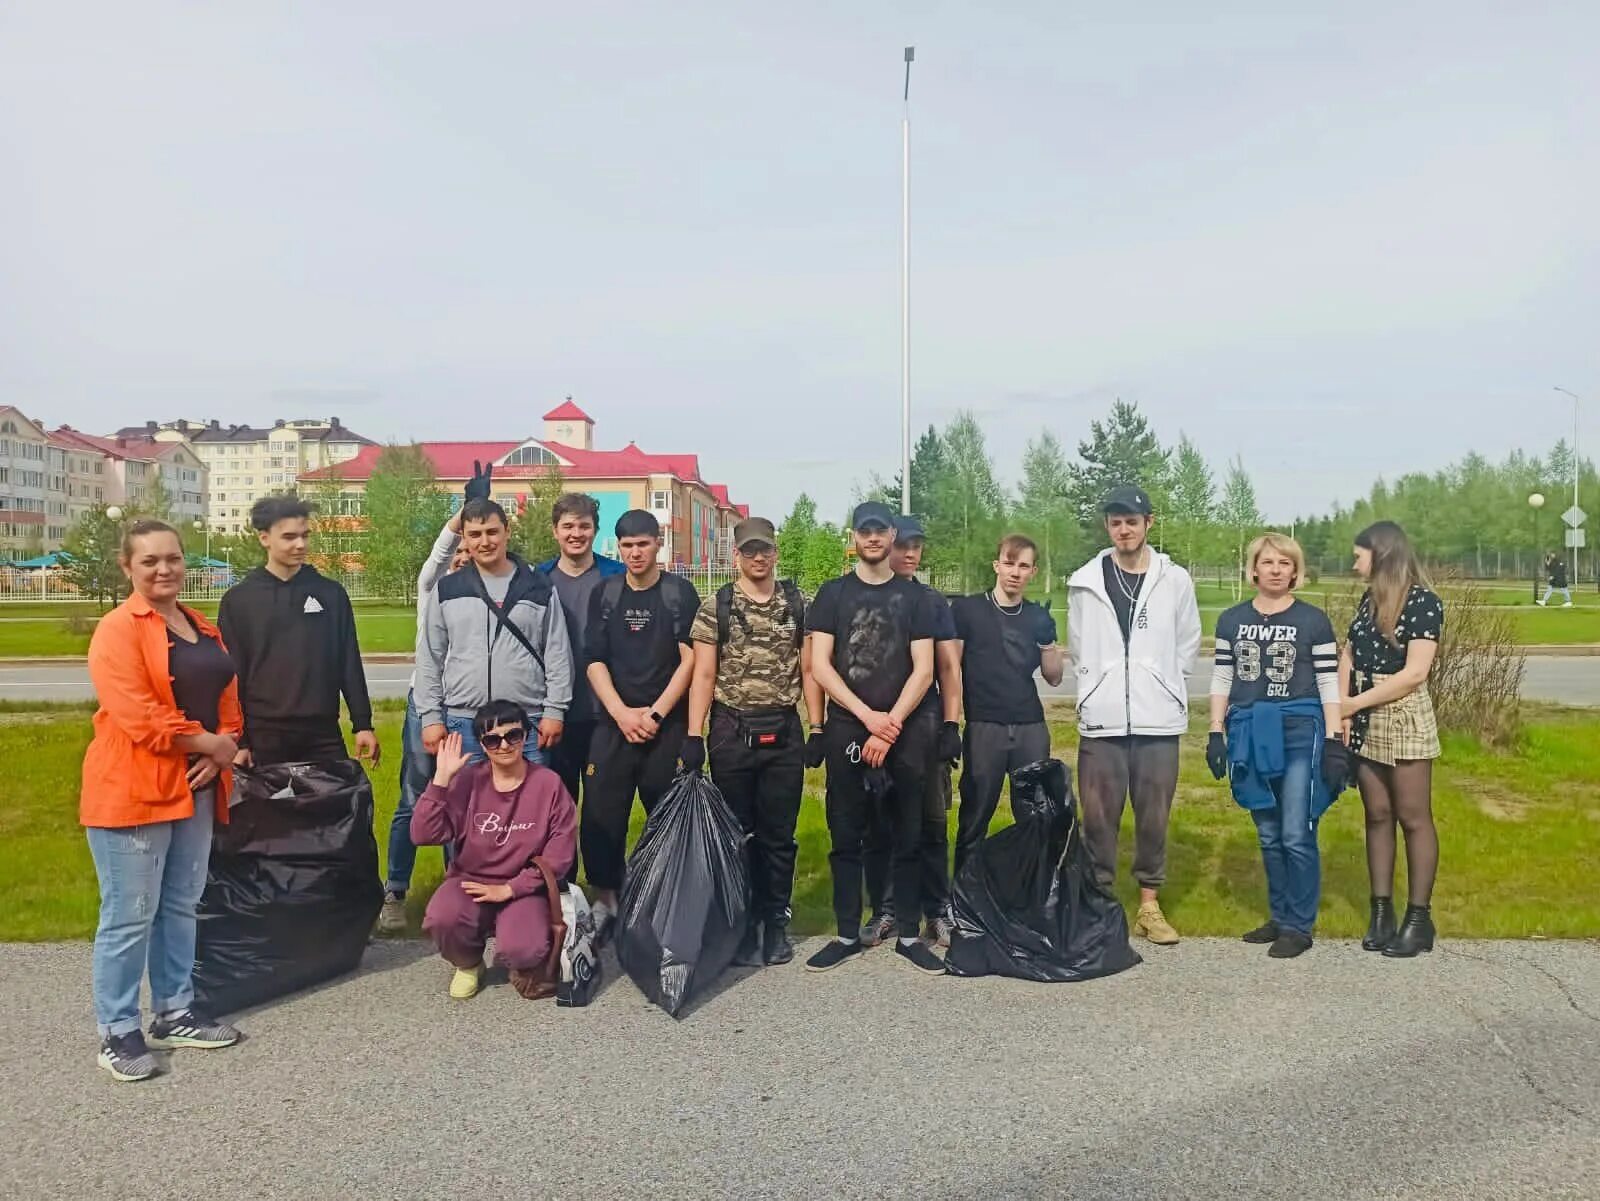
x,y
460,723
1289,843
1550,590
416,769
151,878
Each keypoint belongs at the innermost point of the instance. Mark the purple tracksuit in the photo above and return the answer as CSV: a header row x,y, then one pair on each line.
x,y
496,836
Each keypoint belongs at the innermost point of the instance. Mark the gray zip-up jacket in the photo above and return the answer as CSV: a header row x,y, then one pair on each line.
x,y
465,659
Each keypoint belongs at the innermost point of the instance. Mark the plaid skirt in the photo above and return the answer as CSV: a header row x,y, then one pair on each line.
x,y
1402,729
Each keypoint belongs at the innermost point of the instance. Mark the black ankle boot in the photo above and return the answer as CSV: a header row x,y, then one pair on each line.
x,y
775,945
749,952
1415,934
1381,929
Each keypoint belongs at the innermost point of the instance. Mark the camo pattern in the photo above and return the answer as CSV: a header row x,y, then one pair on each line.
x,y
759,666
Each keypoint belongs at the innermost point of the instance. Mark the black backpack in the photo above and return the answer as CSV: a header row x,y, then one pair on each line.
x,y
791,598
671,592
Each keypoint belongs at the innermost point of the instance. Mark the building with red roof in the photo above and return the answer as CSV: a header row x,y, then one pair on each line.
x,y
697,517
132,467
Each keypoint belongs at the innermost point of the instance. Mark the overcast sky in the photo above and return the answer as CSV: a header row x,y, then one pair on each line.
x,y
1337,245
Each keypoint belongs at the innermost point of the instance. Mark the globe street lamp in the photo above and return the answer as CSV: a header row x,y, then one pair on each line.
x,y
1535,503
114,513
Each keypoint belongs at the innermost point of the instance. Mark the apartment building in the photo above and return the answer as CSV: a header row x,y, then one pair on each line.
x,y
246,462
25,495
697,518
131,469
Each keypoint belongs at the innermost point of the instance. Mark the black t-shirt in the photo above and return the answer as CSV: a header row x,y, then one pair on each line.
x,y
576,591
1421,617
1276,657
639,640
1000,653
944,630
201,671
873,627
1123,588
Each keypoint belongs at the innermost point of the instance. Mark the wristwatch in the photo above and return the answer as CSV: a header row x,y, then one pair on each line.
x,y
656,717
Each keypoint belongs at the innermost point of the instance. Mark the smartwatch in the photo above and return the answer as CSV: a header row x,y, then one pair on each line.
x,y
657,718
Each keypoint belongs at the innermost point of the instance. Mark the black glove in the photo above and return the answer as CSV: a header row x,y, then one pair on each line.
x,y
1335,766
478,486
949,749
1044,626
693,755
816,749
1217,754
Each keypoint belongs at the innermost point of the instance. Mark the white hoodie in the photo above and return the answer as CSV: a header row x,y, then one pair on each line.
x,y
1137,687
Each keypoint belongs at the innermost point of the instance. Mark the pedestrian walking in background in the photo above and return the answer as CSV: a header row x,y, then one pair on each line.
x,y
157,774
1004,640
1276,733
1555,575
872,653
1392,731
640,657
492,631
1133,634
501,816
749,672
292,633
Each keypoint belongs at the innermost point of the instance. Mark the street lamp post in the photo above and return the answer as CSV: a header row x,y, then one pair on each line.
x,y
905,290
1535,503
1576,467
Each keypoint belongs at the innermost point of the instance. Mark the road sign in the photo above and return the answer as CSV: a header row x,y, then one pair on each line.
x,y
1575,540
1574,516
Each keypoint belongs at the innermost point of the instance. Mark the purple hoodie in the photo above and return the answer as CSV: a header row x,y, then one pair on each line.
x,y
497,834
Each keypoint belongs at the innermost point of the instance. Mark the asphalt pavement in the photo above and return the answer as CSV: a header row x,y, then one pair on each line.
x,y
1558,679
1210,1071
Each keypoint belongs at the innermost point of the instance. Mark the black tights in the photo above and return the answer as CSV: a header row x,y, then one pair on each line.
x,y
1403,793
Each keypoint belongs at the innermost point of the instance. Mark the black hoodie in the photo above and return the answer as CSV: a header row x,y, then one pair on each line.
x,y
294,642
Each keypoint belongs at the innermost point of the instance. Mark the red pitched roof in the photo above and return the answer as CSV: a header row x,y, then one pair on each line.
x,y
117,448
451,460
568,411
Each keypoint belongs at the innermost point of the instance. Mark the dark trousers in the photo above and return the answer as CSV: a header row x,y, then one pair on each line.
x,y
617,769
934,848
990,752
570,757
1142,768
850,808
762,786
314,740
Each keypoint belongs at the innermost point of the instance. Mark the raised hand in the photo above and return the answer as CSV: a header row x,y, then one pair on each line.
x,y
449,761
478,486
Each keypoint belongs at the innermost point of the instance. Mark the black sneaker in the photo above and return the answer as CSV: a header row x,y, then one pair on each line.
x,y
832,955
127,1058
187,1029
1264,934
878,927
1289,944
921,955
775,945
749,952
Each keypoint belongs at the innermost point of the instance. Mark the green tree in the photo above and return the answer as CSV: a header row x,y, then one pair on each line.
x,y
824,557
91,549
333,535
1239,514
967,503
405,509
155,501
1121,450
532,535
794,536
1046,508
1191,512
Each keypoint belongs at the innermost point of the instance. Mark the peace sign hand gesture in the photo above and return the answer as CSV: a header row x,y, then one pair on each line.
x,y
478,486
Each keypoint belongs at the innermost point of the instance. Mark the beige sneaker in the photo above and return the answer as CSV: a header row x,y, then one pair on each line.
x,y
1153,925
392,917
465,983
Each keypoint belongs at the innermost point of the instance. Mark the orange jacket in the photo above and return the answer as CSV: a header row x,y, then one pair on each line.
x,y
132,774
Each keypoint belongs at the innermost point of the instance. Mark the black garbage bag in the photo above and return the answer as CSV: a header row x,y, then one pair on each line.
x,y
1026,903
293,886
685,894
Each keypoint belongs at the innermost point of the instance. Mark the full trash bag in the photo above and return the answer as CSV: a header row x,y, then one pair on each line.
x,y
293,886
685,894
1026,902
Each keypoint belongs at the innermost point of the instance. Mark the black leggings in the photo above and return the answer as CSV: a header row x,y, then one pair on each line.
x,y
1403,793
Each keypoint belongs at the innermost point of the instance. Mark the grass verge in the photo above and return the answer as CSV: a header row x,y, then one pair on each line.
x,y
1520,834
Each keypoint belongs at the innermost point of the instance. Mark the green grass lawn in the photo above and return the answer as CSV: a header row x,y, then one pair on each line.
x,y
1520,837
38,631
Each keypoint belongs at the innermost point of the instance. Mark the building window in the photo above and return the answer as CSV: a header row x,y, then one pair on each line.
x,y
661,500
536,456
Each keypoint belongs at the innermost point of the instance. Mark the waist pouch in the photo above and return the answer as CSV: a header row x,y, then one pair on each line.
x,y
764,729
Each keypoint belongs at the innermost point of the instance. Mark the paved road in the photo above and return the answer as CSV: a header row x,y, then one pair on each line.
x,y
1211,1071
1566,680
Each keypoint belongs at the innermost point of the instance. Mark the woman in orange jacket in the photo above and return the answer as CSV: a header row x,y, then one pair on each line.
x,y
155,777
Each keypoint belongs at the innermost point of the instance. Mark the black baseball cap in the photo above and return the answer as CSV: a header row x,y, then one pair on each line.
x,y
638,523
907,527
870,513
1126,499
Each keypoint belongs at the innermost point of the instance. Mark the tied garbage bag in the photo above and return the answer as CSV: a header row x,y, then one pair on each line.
x,y
1026,903
293,885
684,897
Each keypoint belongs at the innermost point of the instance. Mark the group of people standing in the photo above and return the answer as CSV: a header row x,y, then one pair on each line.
x,y
547,696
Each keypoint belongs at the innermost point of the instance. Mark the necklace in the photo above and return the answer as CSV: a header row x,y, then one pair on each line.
x,y
993,600
1123,578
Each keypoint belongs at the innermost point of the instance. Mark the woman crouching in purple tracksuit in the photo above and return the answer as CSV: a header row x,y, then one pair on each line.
x,y
499,816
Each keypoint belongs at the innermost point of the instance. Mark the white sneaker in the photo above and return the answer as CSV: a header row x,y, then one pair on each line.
x,y
1568,605
605,917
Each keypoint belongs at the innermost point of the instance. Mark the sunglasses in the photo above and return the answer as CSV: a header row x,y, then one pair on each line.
x,y
758,550
493,742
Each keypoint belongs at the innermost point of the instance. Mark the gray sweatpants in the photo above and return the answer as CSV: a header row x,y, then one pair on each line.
x,y
1111,771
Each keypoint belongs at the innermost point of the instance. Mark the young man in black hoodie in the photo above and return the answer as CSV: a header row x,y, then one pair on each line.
x,y
292,635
